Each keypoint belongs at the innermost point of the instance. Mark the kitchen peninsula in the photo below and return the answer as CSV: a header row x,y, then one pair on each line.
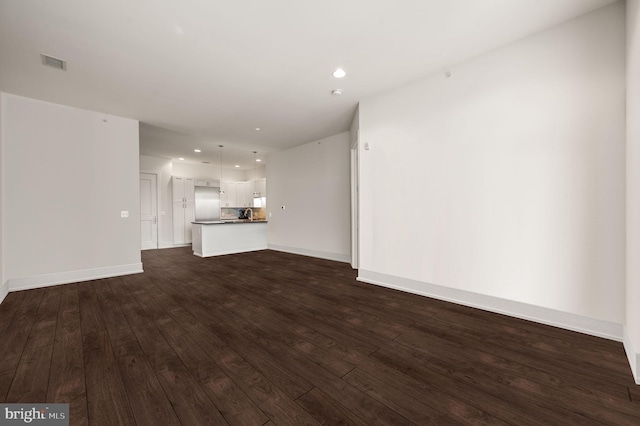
x,y
215,238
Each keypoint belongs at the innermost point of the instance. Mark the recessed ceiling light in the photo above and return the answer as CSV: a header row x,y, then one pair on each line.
x,y
339,73
197,150
258,160
258,129
336,92
181,159
236,165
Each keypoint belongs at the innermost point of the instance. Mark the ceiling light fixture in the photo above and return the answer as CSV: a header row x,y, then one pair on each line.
x,y
237,165
339,73
197,150
258,160
336,92
258,129
181,159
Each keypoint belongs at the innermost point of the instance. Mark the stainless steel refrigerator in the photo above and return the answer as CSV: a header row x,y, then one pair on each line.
x,y
207,203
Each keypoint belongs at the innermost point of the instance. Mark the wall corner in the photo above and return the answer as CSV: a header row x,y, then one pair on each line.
x,y
4,290
632,355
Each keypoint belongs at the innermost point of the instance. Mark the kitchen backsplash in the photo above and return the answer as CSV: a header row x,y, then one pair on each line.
x,y
227,213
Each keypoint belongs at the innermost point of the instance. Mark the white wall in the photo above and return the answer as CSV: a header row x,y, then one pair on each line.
x,y
4,285
68,173
507,179
312,182
632,320
257,173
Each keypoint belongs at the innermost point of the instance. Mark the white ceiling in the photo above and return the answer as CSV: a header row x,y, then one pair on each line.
x,y
211,71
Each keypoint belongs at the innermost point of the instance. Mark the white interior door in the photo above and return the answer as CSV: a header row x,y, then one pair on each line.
x,y
148,211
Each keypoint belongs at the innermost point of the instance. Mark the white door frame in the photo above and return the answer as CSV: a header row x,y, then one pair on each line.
x,y
153,244
355,203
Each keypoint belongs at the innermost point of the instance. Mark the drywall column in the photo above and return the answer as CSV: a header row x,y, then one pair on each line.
x,y
632,319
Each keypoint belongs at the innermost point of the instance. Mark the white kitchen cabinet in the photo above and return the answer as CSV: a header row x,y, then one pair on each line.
x,y
183,189
183,215
228,194
259,188
241,194
183,208
244,197
208,182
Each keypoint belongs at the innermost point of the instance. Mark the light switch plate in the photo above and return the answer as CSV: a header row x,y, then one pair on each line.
x,y
124,213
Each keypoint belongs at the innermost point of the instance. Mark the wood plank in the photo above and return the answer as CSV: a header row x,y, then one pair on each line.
x,y
232,402
17,332
67,378
106,395
143,389
43,331
406,404
31,377
111,312
8,309
8,368
188,399
327,410
90,316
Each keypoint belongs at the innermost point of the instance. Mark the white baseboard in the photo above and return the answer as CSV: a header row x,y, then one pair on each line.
x,y
223,252
46,280
632,355
170,245
566,320
4,290
346,258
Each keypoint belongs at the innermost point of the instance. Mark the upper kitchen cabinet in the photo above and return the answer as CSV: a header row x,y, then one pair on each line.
x,y
259,188
228,194
214,183
242,194
183,189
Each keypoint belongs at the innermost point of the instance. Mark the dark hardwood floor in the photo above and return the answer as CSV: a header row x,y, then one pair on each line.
x,y
269,338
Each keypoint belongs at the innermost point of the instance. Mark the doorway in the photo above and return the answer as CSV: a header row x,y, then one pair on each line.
x,y
148,211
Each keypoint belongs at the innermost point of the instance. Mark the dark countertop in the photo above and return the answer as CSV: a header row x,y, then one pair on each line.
x,y
224,222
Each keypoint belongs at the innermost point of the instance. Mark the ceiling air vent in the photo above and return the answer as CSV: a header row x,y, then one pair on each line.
x,y
53,62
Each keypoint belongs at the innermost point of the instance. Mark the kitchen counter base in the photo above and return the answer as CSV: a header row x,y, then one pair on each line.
x,y
220,240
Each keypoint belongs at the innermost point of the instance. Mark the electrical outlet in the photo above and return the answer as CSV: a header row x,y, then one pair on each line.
x,y
124,213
